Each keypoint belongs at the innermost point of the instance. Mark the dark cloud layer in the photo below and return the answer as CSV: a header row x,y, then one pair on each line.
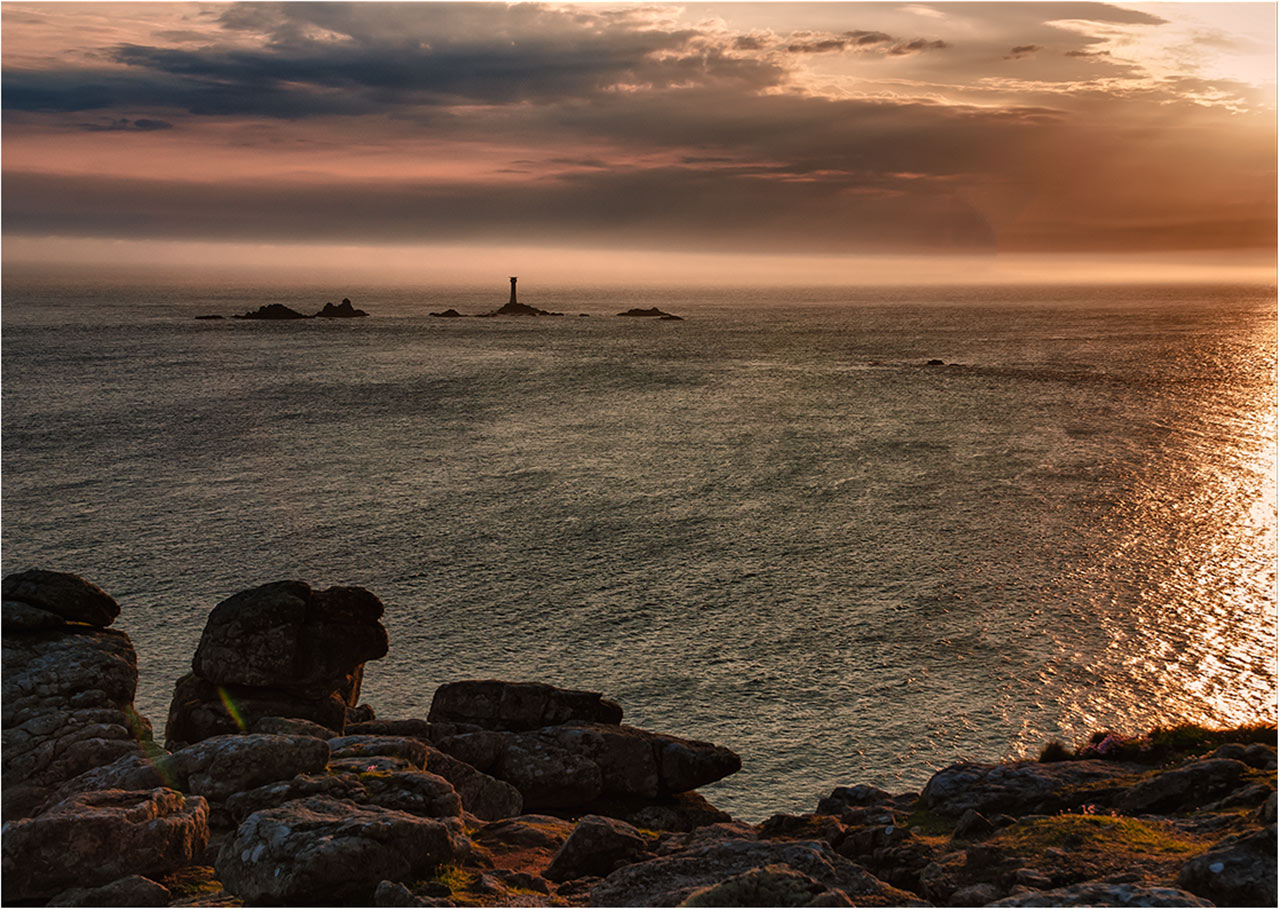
x,y
589,99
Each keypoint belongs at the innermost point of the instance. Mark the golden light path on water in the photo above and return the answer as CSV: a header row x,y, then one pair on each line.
x,y
1193,628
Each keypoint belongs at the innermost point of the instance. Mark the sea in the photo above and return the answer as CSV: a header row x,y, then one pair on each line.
x,y
854,534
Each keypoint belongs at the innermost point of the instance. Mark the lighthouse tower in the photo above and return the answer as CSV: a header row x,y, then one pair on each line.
x,y
513,289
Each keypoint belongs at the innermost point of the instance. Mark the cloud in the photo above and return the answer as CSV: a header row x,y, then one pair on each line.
x,y
1023,50
123,124
1078,53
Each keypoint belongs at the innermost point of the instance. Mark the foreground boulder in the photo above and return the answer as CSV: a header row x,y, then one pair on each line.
x,y
596,846
281,650
497,705
667,881
1104,894
321,850
98,837
1238,871
68,686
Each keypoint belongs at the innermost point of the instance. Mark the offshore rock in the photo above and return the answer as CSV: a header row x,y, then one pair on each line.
x,y
63,594
67,707
130,891
596,846
450,313
1238,871
1104,894
273,311
321,850
343,310
668,880
98,837
282,650
496,705
1015,787
652,311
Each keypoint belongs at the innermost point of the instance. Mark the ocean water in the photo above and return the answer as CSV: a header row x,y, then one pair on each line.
x,y
772,525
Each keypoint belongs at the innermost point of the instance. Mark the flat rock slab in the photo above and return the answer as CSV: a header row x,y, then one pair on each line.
x,y
63,594
416,792
1104,894
497,705
98,837
1016,787
667,881
223,765
321,850
408,748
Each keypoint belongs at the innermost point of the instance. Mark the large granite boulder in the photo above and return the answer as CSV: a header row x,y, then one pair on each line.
x,y
321,850
62,594
98,837
68,687
1238,871
1015,788
282,650
284,635
497,705
667,881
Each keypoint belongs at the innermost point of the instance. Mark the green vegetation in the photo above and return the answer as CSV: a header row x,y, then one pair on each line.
x,y
192,881
930,825
1116,836
1160,746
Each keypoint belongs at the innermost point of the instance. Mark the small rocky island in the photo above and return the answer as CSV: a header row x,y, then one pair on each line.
x,y
344,310
277,786
651,312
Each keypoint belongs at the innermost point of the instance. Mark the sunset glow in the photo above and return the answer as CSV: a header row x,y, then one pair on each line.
x,y
1044,141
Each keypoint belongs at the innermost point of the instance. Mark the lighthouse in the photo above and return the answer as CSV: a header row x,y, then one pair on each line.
x,y
513,289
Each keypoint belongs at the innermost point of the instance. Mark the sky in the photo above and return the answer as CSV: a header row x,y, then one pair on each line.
x,y
609,143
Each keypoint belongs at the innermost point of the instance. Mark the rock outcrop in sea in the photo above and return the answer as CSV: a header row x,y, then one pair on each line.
x,y
343,310
651,312
277,790
272,311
